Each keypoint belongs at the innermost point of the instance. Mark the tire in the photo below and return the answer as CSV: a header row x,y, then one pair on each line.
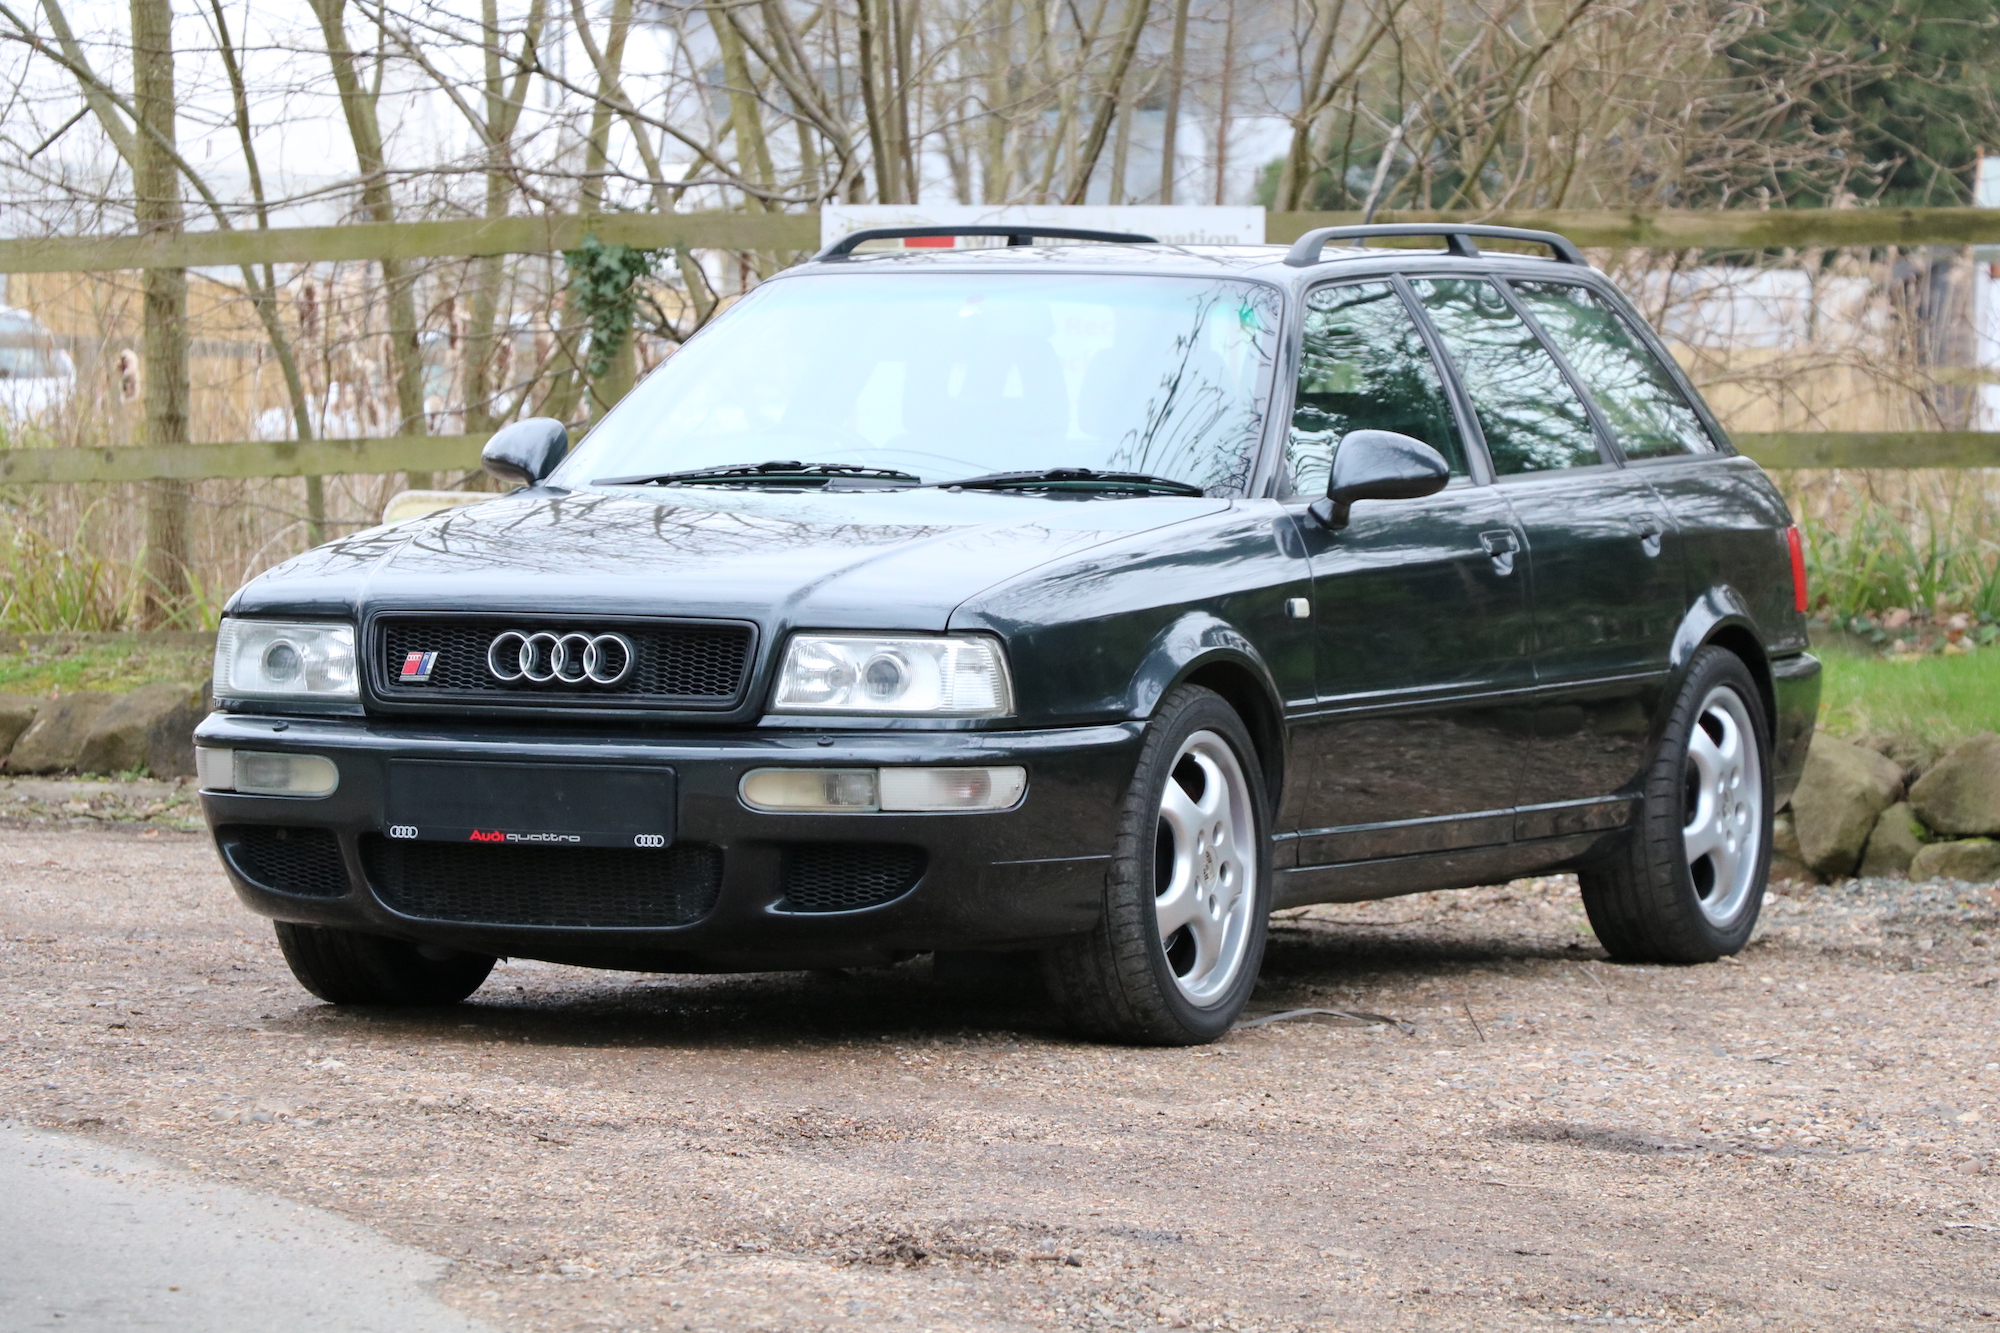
x,y
347,967
1196,853
1689,883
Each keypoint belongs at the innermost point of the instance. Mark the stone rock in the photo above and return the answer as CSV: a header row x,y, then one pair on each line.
x,y
1842,792
150,728
16,712
1962,793
53,742
1897,839
1787,864
1976,860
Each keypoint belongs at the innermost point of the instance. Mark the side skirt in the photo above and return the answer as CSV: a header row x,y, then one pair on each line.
x,y
1391,877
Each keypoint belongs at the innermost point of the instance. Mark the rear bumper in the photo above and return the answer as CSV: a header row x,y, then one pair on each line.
x,y
987,880
1795,682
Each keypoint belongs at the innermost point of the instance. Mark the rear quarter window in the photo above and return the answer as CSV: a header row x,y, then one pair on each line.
x,y
1648,414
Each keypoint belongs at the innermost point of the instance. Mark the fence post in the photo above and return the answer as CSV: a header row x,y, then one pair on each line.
x,y
157,209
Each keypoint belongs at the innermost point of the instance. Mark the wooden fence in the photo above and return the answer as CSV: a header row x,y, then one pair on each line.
x,y
799,233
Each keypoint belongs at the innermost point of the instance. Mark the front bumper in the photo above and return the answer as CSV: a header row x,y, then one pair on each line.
x,y
999,879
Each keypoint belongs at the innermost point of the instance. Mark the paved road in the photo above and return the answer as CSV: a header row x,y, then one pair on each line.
x,y
95,1238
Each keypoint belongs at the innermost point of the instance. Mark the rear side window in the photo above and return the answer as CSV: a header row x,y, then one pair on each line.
x,y
1532,419
1648,414
1363,366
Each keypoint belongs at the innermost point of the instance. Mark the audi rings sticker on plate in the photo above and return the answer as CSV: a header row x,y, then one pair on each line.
x,y
572,659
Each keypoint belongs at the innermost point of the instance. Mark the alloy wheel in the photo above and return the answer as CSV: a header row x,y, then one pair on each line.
x,y
1204,867
1722,809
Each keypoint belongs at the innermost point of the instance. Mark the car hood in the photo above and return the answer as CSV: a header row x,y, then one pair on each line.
x,y
856,559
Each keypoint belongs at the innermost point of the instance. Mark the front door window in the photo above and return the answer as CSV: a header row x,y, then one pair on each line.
x,y
1363,366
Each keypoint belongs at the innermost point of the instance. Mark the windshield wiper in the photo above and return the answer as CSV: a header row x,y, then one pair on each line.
x,y
778,472
1073,479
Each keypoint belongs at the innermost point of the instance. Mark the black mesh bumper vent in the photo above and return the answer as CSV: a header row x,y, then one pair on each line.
x,y
692,664
605,887
302,861
847,876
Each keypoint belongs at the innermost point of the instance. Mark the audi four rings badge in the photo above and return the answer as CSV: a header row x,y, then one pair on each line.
x,y
416,668
602,659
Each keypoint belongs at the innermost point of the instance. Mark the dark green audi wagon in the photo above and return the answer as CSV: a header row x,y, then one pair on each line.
x,y
1088,601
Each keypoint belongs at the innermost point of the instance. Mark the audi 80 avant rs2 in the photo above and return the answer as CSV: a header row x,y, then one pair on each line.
x,y
1088,601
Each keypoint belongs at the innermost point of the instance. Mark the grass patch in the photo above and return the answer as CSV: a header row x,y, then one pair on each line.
x,y
64,664
1915,708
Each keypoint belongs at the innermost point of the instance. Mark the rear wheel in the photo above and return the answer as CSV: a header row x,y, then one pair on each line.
x,y
1688,886
1188,890
348,967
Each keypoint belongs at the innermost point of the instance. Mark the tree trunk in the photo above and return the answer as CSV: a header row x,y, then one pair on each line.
x,y
157,209
1170,126
358,106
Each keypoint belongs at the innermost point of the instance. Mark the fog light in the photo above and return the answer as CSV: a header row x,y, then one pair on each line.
x,y
262,773
952,788
809,789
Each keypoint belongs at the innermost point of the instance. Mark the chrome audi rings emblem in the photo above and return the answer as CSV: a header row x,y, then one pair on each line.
x,y
602,659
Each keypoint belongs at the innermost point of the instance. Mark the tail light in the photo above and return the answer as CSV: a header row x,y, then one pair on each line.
x,y
1798,547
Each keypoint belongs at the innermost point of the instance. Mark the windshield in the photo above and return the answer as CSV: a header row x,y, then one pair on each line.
x,y
950,376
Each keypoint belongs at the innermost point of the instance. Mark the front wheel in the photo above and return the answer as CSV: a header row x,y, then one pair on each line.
x,y
1188,892
1689,884
348,967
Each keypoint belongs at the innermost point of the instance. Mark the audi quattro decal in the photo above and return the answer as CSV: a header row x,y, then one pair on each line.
x,y
406,832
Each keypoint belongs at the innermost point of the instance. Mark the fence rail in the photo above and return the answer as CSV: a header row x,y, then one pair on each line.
x,y
242,458
448,453
1725,229
796,232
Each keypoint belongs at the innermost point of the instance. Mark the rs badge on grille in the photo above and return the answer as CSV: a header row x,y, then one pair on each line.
x,y
416,668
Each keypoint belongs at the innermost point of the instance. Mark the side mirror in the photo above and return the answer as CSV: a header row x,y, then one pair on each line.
x,y
525,452
1379,465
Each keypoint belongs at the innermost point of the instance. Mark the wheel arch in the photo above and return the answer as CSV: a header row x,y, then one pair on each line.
x,y
1206,651
1721,617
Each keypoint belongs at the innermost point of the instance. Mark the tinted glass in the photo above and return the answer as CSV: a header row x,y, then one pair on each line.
x,y
951,375
1363,366
1648,415
1532,419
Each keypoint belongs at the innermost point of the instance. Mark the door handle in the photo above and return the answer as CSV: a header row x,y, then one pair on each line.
x,y
1650,532
1501,544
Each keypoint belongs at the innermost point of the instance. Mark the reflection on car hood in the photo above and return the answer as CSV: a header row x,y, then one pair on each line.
x,y
869,559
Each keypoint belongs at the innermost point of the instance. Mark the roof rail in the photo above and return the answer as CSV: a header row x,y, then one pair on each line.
x,y
1016,234
1458,238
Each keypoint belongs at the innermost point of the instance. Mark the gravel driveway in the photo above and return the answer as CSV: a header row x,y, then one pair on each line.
x,y
1802,1138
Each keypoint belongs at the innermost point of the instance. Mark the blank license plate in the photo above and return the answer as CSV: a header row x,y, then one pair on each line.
x,y
533,805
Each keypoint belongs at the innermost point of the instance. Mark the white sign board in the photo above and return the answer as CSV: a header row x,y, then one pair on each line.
x,y
1172,224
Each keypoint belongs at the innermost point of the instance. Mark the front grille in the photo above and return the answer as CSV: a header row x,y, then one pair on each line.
x,y
847,876
304,861
544,886
678,664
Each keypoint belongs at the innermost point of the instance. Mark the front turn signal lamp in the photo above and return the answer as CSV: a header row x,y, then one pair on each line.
x,y
828,791
264,772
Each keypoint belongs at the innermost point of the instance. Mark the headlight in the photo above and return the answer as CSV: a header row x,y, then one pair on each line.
x,y
284,659
958,676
